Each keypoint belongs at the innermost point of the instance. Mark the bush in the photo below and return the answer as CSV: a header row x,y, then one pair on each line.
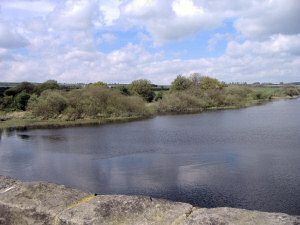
x,y
49,104
237,95
158,95
142,88
8,103
290,91
123,89
100,83
97,101
182,101
49,84
210,83
261,95
21,100
180,83
23,87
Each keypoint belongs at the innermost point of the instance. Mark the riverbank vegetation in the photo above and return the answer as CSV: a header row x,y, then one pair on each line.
x,y
198,93
46,103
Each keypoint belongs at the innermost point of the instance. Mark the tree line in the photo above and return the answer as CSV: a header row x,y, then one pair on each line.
x,y
186,94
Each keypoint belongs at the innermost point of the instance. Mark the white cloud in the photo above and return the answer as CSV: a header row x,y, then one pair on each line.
x,y
110,10
74,15
10,38
276,45
107,38
270,17
143,8
36,25
186,8
170,20
20,9
63,44
276,59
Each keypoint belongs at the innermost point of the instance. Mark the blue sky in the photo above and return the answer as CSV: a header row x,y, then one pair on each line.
x,y
119,41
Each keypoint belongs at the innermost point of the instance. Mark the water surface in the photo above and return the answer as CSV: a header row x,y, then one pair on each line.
x,y
247,158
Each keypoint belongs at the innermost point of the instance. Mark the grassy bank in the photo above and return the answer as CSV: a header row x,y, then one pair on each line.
x,y
23,123
25,120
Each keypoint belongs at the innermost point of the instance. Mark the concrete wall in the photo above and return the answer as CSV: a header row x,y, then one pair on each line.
x,y
48,203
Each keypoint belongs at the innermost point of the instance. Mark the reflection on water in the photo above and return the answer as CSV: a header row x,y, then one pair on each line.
x,y
246,158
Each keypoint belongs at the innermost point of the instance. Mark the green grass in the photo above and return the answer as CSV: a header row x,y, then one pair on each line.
x,y
33,123
267,89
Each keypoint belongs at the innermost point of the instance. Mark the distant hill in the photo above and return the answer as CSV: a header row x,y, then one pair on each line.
x,y
8,84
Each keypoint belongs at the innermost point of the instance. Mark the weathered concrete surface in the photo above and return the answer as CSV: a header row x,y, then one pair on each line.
x,y
226,215
47,203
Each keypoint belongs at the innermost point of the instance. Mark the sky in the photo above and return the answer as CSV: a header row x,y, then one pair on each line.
x,y
118,41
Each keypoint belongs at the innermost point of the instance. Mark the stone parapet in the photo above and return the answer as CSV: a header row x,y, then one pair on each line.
x,y
48,203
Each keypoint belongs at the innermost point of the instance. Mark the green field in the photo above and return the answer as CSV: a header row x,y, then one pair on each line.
x,y
268,89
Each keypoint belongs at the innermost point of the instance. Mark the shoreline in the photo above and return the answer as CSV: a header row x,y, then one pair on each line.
x,y
28,124
22,125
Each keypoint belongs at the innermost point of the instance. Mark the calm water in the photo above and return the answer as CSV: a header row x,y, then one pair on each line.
x,y
247,158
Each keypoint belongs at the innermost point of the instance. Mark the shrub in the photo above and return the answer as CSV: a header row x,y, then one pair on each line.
x,y
142,88
180,83
100,83
21,100
290,91
158,95
261,95
49,104
97,101
23,87
123,89
210,83
49,84
181,101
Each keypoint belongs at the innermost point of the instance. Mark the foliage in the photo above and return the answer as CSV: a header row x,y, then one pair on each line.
x,y
16,98
142,88
180,101
7,103
290,91
158,95
196,79
90,102
21,100
206,92
123,89
210,83
49,84
49,104
100,84
95,101
180,83
23,87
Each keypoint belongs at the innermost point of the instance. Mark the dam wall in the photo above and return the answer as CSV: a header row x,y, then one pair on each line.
x,y
48,203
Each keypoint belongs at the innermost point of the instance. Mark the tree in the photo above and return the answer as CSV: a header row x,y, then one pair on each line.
x,y
24,86
123,89
142,88
49,104
100,84
158,96
210,83
180,83
49,84
21,100
196,79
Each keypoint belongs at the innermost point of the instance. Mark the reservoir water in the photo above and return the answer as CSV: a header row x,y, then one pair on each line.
x,y
246,158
